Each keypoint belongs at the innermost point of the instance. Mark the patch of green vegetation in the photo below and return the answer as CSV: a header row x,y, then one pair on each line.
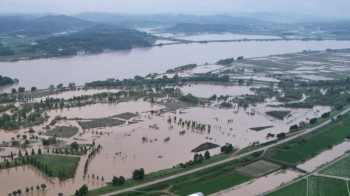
x,y
225,61
137,193
338,133
4,108
314,145
290,156
100,122
126,115
333,97
260,128
226,104
291,94
60,165
322,186
341,169
278,114
3,79
298,105
295,189
189,98
215,184
63,131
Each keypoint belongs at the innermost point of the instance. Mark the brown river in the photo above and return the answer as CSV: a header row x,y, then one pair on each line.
x,y
142,61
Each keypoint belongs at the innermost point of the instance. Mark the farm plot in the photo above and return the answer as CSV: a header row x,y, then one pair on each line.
x,y
259,168
322,186
338,133
341,169
290,156
346,121
314,145
215,184
298,188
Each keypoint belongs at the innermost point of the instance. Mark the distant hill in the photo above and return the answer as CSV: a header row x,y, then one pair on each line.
x,y
190,28
12,26
161,19
93,40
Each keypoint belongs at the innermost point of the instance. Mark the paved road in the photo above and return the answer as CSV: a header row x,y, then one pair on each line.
x,y
220,162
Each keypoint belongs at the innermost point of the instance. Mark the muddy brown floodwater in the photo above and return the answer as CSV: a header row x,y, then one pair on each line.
x,y
142,61
124,149
326,156
207,90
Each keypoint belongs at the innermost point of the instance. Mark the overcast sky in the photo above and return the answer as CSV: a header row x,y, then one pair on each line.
x,y
331,8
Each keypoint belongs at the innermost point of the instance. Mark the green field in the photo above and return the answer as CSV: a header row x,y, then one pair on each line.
x,y
215,184
341,169
314,145
339,132
321,186
296,189
290,156
57,163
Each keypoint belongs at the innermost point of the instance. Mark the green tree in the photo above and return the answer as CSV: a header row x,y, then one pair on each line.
x,y
21,89
27,189
138,174
37,187
39,151
82,191
14,90
19,153
75,146
43,186
33,153
207,155
14,192
19,191
281,135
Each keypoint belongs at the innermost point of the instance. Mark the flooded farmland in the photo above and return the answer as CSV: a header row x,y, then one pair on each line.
x,y
152,134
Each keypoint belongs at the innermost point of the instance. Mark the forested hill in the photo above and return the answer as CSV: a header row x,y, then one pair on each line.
x,y
12,26
93,40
